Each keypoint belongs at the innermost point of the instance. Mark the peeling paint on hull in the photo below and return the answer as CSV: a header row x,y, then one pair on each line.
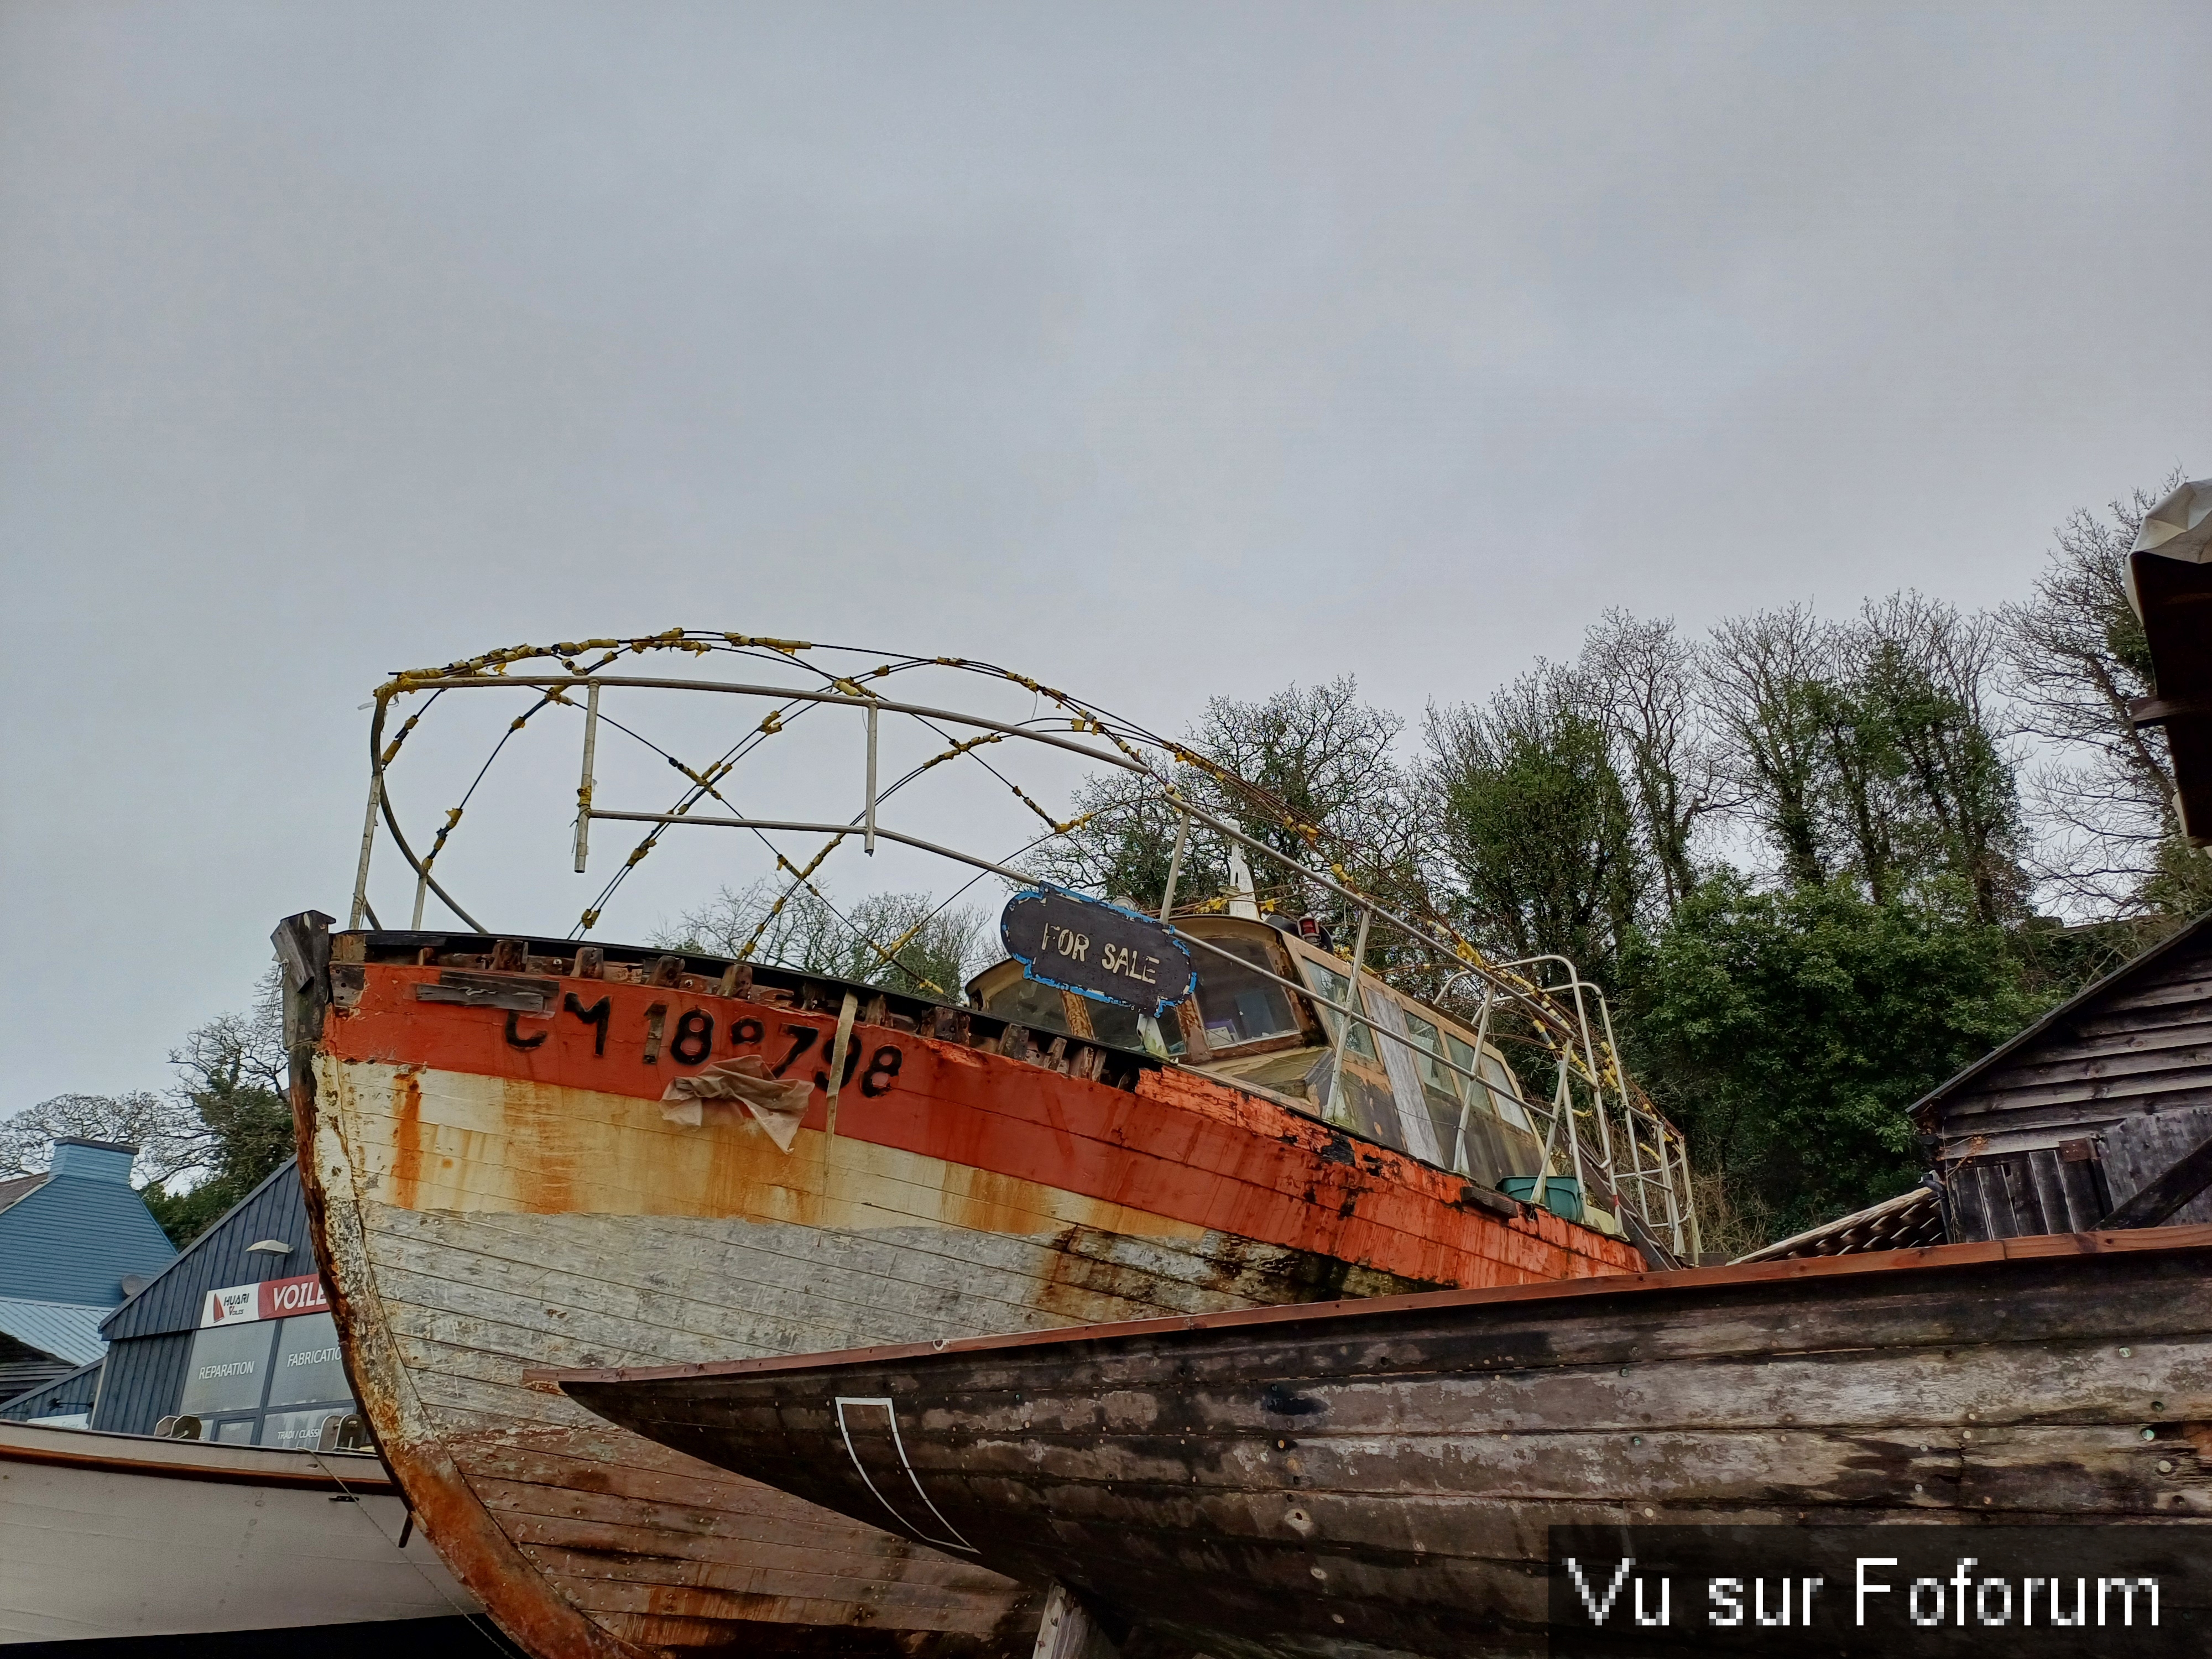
x,y
495,1188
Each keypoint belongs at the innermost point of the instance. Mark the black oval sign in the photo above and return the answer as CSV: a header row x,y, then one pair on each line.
x,y
1097,949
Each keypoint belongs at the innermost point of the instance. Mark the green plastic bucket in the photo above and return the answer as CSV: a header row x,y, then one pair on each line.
x,y
1562,1194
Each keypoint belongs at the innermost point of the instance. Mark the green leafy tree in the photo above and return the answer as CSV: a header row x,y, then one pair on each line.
x,y
1788,1030
1531,823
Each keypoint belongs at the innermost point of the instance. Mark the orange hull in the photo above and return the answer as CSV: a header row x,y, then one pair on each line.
x,y
497,1188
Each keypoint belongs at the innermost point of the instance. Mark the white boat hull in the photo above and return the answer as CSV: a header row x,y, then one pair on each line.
x,y
121,1535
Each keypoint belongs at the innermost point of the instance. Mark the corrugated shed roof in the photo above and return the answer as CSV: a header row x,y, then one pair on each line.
x,y
19,1187
67,1330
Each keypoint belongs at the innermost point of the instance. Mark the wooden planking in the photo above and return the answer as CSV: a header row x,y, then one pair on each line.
x,y
2110,1069
683,1275
1215,1470
871,1183
2141,1150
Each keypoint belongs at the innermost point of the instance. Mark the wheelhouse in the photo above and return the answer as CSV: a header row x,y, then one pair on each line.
x,y
1264,1016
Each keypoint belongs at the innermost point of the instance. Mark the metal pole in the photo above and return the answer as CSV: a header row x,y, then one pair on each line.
x,y
584,787
367,841
1344,1021
1174,864
422,892
868,844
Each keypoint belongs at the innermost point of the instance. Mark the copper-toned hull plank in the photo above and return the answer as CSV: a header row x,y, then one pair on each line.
x,y
1379,1476
496,1188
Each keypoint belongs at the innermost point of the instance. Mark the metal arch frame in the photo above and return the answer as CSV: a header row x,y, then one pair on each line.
x,y
1566,1030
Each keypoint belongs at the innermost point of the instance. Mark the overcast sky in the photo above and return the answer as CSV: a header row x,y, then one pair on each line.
x,y
1166,351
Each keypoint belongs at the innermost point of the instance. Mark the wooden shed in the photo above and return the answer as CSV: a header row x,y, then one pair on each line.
x,y
2051,1132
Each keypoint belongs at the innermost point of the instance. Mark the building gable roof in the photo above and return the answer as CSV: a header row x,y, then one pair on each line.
x,y
17,1186
1923,1111
72,1239
219,1257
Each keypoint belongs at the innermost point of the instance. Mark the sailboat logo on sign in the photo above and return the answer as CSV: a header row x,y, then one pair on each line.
x,y
238,1302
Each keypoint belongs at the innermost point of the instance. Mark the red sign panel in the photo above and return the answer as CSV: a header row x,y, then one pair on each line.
x,y
272,1298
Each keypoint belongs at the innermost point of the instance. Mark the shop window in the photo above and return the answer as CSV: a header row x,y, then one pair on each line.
x,y
229,1369
1237,1000
271,1382
307,1367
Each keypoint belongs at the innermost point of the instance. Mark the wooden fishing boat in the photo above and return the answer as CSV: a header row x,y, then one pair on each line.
x,y
524,1152
1379,1477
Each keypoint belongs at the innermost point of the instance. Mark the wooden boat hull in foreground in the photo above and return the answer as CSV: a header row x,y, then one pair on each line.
x,y
496,1186
1378,1477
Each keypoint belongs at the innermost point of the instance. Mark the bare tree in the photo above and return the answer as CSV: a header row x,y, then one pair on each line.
x,y
1309,757
1764,693
1644,677
904,941
2075,656
171,1142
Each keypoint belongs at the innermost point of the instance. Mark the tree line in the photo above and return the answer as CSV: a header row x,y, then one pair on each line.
x,y
1817,865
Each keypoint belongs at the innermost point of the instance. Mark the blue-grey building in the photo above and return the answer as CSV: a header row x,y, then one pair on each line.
x,y
75,1243
236,1331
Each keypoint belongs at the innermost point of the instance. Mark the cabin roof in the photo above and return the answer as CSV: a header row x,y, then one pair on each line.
x,y
2170,583
1923,1111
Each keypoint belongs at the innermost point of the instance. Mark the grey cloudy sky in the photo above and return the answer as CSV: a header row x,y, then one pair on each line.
x,y
1168,351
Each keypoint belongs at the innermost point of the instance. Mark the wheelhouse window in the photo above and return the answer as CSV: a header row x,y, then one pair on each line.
x,y
1336,987
1500,1095
1235,999
1040,1008
1443,1086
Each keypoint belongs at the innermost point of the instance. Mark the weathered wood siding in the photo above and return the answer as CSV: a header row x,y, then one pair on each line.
x,y
1378,1478
2086,1109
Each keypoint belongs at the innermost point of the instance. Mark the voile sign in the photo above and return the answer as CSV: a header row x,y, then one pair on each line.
x,y
272,1298
1096,950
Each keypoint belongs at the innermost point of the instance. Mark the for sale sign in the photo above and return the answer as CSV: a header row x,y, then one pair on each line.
x,y
273,1298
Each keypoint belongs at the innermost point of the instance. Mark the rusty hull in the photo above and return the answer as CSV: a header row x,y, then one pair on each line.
x,y
1377,1477
494,1188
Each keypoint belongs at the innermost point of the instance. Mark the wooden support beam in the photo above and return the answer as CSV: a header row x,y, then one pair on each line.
x,y
2163,1197
1068,1631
